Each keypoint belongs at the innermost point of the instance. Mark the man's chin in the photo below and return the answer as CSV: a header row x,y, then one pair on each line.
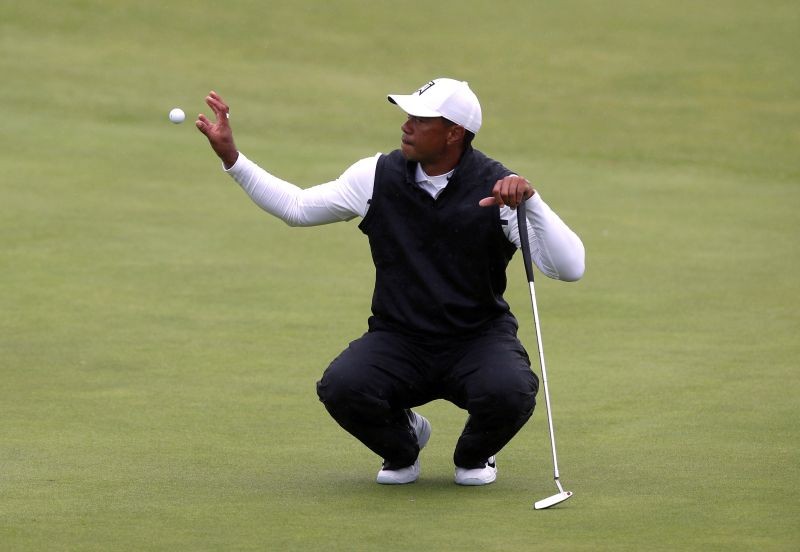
x,y
407,151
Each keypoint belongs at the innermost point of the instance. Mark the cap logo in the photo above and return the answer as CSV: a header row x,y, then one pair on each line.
x,y
425,88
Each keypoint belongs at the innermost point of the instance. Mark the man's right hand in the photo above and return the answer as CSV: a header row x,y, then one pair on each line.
x,y
509,191
219,132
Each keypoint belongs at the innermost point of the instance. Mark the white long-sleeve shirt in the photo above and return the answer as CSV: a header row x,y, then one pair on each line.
x,y
555,249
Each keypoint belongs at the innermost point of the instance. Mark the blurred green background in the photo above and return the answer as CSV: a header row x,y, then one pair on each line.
x,y
160,337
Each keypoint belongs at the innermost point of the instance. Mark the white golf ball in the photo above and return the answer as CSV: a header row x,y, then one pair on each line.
x,y
177,115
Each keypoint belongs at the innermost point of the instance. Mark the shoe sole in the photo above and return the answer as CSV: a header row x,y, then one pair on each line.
x,y
392,481
475,482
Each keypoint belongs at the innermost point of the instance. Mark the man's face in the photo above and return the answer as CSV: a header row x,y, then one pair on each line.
x,y
424,138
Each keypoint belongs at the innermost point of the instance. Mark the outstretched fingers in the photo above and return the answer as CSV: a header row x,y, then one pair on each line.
x,y
218,106
218,132
203,124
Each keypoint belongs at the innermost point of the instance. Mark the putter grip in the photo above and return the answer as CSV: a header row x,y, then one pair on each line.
x,y
522,226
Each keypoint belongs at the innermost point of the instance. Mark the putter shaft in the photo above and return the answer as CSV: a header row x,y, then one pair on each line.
x,y
522,221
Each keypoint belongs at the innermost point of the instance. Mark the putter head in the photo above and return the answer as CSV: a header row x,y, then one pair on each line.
x,y
552,500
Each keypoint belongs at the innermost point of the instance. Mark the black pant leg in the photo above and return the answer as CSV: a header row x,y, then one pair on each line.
x,y
368,388
493,381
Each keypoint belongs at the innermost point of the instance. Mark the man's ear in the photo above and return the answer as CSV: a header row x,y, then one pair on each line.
x,y
455,134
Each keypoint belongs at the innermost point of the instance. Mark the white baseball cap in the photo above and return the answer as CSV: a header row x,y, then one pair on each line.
x,y
448,98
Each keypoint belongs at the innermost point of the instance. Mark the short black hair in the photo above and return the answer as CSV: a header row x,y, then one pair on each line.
x,y
469,136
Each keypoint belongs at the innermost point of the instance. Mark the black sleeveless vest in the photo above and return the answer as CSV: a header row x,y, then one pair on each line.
x,y
440,265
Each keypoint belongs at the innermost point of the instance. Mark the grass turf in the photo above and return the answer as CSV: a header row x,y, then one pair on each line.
x,y
160,337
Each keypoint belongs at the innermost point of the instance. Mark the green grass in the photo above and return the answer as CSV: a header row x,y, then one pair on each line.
x,y
160,337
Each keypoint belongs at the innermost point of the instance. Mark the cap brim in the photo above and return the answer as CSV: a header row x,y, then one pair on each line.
x,y
412,105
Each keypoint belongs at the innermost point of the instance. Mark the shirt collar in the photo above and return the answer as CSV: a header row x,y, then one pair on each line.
x,y
421,176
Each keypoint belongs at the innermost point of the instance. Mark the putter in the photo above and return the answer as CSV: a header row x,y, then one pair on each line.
x,y
562,495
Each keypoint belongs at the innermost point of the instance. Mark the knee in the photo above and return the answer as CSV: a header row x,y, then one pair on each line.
x,y
523,399
334,388
343,391
516,404
513,398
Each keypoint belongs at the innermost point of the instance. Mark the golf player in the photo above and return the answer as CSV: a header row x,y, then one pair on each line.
x,y
439,217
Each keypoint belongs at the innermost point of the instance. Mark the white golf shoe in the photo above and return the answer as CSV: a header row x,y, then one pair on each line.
x,y
477,476
409,474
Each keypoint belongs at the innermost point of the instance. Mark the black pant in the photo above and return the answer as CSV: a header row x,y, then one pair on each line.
x,y
368,387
